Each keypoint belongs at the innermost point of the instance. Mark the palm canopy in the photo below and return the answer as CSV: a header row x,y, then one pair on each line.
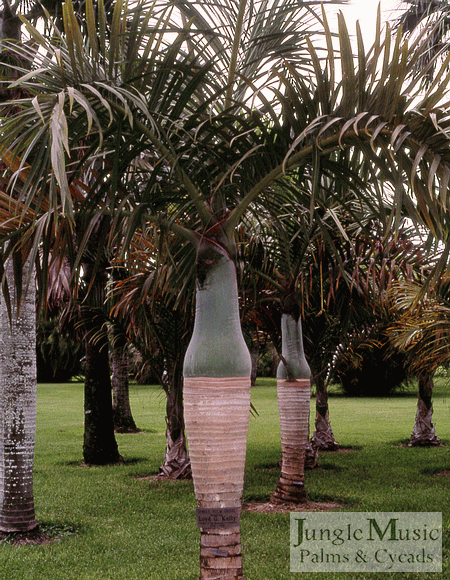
x,y
245,39
421,324
127,116
433,15
378,107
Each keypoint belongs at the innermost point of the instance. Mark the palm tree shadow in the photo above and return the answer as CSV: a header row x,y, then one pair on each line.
x,y
126,461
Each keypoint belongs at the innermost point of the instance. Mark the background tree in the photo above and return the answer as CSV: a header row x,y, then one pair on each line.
x,y
120,363
99,445
420,330
377,260
156,300
59,353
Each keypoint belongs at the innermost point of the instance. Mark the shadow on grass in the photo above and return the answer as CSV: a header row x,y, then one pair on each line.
x,y
46,532
268,466
437,471
404,443
326,498
329,467
59,530
256,497
258,502
126,461
158,479
341,449
404,392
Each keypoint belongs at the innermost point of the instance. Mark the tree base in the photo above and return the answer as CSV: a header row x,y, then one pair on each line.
x,y
124,423
323,438
33,536
220,555
330,445
126,429
424,433
289,492
177,464
176,471
100,461
424,441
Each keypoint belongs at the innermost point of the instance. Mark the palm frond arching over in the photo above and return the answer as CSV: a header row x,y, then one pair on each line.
x,y
423,324
372,109
244,39
380,109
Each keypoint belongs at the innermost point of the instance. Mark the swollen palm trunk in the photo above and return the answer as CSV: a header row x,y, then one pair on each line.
x,y
293,393
217,371
17,409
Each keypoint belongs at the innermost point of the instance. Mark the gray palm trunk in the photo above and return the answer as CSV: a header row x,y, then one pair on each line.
x,y
293,393
18,395
424,433
217,370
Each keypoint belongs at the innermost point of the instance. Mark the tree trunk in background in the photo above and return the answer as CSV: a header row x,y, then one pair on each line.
x,y
18,396
100,446
311,455
217,372
254,354
293,393
176,464
122,416
323,437
424,433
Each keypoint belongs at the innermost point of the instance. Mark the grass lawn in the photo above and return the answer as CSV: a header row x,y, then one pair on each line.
x,y
114,524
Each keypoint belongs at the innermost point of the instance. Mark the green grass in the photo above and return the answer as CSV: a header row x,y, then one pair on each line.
x,y
114,525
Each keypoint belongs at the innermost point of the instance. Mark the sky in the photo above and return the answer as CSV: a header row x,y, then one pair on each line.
x,y
366,12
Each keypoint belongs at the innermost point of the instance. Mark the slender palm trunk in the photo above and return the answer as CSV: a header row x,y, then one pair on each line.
x,y
311,455
18,395
254,353
176,464
293,393
424,433
323,437
217,372
122,416
99,445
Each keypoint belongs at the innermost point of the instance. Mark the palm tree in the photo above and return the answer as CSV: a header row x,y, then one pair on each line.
x,y
421,330
199,187
276,256
292,245
18,395
99,445
156,301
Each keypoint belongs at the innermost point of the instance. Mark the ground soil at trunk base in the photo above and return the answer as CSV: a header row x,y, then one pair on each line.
x,y
308,506
25,538
445,473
